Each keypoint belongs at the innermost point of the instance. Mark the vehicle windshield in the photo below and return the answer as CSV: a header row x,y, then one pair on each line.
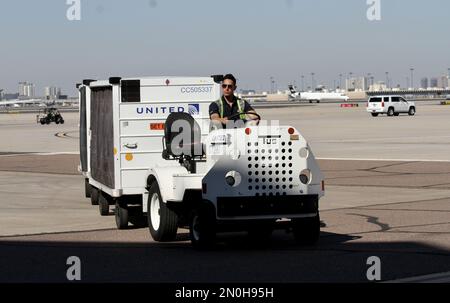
x,y
375,100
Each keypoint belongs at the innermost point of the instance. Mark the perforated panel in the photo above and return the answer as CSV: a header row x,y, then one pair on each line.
x,y
270,169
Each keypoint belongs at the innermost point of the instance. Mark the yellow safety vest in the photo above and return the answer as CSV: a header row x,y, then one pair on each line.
x,y
240,104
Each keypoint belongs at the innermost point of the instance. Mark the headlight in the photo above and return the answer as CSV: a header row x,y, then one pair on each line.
x,y
305,176
233,178
230,180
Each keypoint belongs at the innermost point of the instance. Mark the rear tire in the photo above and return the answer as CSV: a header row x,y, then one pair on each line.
x,y
162,222
374,115
103,204
95,194
121,215
390,112
202,227
87,188
307,230
412,111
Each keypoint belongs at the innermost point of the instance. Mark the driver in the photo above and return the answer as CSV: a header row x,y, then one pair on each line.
x,y
230,107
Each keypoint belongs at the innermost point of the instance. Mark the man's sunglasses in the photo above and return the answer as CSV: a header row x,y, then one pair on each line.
x,y
230,86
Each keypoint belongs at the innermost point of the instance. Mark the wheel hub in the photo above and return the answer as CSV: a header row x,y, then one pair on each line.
x,y
155,215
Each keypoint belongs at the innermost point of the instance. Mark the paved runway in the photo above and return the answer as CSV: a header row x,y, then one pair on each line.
x,y
398,210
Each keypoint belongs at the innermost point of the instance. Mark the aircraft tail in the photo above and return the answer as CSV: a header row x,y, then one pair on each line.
x,y
292,89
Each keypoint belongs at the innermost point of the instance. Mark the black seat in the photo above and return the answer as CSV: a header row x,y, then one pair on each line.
x,y
182,137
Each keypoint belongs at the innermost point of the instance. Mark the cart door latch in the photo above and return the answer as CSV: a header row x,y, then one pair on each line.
x,y
131,146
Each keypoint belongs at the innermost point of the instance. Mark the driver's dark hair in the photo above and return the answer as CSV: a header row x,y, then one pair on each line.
x,y
230,77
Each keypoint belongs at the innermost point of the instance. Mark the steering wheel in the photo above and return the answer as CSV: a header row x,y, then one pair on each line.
x,y
246,113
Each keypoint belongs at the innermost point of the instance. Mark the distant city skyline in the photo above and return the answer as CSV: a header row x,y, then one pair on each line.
x,y
264,43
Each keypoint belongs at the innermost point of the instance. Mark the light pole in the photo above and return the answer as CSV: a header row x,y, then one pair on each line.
x,y
312,81
412,77
340,81
272,82
303,83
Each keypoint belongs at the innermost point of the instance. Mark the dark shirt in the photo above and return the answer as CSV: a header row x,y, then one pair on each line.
x,y
229,111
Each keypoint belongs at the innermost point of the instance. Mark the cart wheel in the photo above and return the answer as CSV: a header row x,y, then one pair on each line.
x,y
307,230
162,222
121,214
103,204
202,227
87,188
95,194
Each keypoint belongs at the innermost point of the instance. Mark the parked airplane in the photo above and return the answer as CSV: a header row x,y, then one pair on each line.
x,y
314,96
37,102
19,103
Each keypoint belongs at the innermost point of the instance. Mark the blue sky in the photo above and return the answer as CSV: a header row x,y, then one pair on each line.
x,y
252,39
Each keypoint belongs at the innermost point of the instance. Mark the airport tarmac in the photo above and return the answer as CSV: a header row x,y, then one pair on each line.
x,y
387,194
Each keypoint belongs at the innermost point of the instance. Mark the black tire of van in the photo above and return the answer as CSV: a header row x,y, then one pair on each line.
x,y
390,112
412,111
374,114
168,220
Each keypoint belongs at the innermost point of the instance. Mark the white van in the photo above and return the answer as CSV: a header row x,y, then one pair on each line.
x,y
390,105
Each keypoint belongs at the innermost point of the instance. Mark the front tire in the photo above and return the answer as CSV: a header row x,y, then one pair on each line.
x,y
202,227
162,222
412,111
307,230
374,115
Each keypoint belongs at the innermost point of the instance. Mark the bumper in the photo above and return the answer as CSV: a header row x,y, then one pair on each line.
x,y
375,111
267,206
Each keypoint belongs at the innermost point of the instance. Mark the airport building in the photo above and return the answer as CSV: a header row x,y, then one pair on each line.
x,y
26,90
357,84
434,82
378,86
424,83
52,93
444,82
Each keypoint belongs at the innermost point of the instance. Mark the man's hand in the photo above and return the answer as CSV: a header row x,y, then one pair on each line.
x,y
216,117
